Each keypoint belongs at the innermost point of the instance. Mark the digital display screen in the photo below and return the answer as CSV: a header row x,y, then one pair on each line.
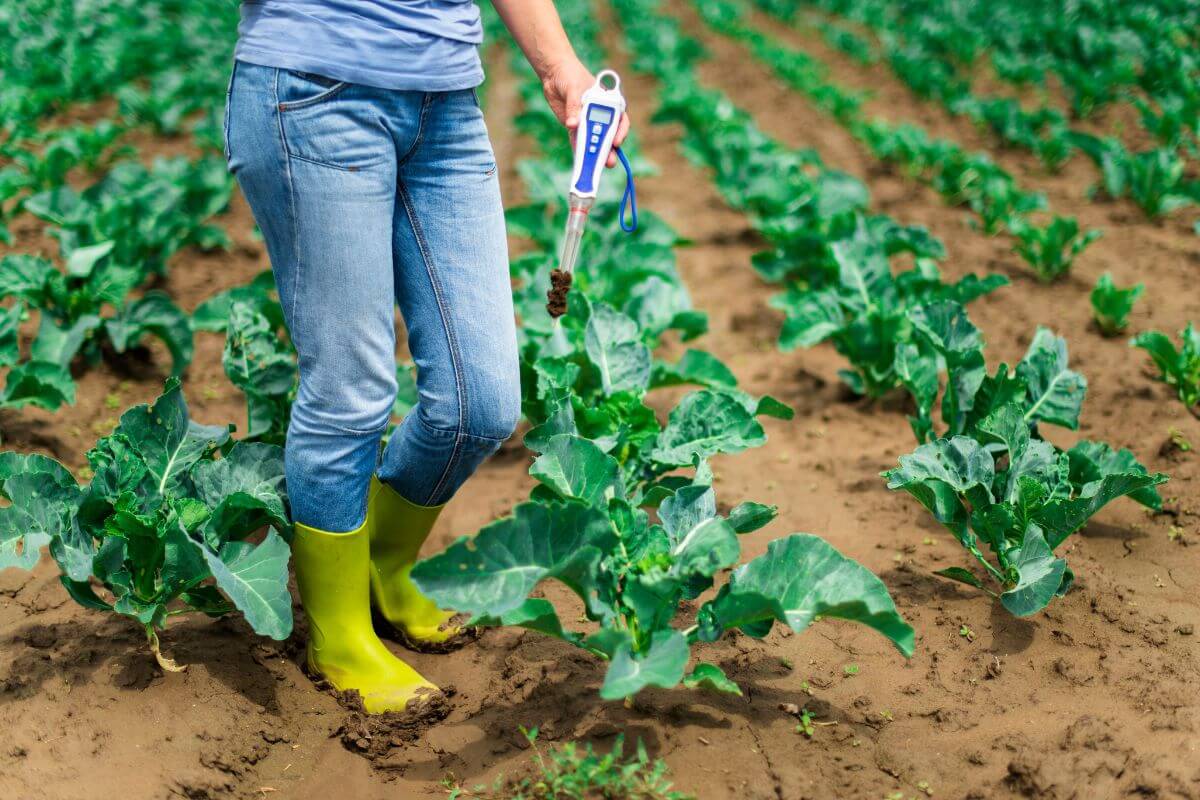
x,y
600,114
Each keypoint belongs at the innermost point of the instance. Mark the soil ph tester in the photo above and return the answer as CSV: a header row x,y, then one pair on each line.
x,y
600,116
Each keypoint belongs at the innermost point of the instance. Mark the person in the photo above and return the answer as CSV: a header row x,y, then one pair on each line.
x,y
354,131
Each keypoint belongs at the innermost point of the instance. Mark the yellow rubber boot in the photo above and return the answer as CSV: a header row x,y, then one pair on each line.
x,y
398,529
332,574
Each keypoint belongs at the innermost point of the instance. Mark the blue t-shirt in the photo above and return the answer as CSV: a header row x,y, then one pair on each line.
x,y
422,45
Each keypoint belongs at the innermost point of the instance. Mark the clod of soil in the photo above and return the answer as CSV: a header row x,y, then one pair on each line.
x,y
556,297
376,735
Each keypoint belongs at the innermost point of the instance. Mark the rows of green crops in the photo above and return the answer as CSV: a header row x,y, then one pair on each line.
x,y
985,472
165,65
625,513
1141,54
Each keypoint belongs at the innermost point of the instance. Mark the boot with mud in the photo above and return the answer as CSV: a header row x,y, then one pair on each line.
x,y
332,573
398,528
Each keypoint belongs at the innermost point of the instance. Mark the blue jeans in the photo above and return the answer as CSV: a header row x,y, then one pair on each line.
x,y
369,197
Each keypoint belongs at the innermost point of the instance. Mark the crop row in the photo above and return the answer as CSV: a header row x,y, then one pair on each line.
x,y
118,233
1102,52
164,64
971,179
625,514
1154,179
988,475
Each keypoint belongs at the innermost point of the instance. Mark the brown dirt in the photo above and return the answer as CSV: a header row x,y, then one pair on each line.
x,y
1095,698
556,295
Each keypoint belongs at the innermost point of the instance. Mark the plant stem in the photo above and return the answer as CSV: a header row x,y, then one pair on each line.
x,y
166,663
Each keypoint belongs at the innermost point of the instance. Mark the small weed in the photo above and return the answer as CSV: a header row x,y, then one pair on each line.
x,y
1179,439
1175,534
112,401
850,669
570,771
787,663
924,788
805,727
966,633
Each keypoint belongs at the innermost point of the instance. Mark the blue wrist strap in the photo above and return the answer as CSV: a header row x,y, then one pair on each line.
x,y
630,196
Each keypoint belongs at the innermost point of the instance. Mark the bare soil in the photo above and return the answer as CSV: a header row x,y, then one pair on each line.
x,y
1095,698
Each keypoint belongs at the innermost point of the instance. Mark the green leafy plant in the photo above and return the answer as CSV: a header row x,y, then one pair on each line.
x,y
1111,305
1155,180
73,305
570,771
1051,250
1178,367
165,525
146,213
261,362
991,478
615,516
863,308
632,574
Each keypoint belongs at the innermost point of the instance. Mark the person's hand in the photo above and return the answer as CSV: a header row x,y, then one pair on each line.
x,y
564,86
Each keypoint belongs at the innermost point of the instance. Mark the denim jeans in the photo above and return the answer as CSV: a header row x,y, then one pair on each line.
x,y
367,198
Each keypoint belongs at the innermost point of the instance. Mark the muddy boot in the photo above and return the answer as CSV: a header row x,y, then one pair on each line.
x,y
398,529
332,574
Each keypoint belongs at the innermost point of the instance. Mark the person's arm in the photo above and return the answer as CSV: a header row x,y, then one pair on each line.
x,y
535,26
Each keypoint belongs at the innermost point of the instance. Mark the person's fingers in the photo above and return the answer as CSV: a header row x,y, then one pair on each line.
x,y
618,139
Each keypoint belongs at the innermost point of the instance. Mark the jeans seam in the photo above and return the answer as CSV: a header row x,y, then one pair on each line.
x,y
452,340
331,165
291,188
294,105
426,101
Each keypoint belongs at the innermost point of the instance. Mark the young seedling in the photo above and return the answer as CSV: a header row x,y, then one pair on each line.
x,y
1111,305
1179,367
1051,250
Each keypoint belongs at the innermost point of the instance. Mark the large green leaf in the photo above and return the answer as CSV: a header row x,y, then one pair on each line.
x,y
1061,518
703,424
59,345
38,383
1055,392
614,345
1091,461
536,614
255,579
938,472
25,277
710,676
42,510
576,468
1040,575
165,437
153,314
799,578
696,367
662,664
687,508
243,490
811,317
259,294
494,572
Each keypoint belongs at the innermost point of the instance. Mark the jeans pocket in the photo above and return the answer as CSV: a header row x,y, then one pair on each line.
x,y
301,89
